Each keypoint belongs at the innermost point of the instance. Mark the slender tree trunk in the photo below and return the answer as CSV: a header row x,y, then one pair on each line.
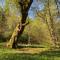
x,y
52,28
25,5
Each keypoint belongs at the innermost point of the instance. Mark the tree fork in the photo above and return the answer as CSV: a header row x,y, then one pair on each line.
x,y
25,5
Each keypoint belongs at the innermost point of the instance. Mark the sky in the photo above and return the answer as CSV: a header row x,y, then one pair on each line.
x,y
2,3
35,5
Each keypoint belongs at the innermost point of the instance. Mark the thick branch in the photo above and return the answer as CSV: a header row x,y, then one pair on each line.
x,y
25,5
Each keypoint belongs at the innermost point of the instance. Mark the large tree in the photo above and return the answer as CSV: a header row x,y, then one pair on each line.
x,y
48,17
24,5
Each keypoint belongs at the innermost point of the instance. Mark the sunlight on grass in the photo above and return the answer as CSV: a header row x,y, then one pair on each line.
x,y
12,54
29,54
16,56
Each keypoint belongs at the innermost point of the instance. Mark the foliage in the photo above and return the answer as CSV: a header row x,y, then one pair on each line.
x,y
38,32
37,29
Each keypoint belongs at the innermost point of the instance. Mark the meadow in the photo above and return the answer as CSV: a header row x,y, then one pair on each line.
x,y
29,54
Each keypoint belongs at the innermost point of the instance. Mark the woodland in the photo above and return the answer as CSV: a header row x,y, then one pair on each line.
x,y
30,29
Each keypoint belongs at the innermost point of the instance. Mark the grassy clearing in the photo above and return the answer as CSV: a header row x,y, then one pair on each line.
x,y
11,54
29,54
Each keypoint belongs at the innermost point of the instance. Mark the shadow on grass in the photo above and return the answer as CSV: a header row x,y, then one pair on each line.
x,y
46,55
51,53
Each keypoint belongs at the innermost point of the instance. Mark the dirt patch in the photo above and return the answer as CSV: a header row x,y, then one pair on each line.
x,y
31,50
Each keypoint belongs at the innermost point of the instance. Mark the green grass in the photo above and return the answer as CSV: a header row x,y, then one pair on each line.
x,y
31,46
9,54
12,54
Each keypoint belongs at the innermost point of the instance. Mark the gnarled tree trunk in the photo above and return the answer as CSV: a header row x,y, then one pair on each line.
x,y
25,5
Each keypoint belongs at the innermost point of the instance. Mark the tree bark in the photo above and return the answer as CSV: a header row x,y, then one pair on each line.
x,y
52,28
25,5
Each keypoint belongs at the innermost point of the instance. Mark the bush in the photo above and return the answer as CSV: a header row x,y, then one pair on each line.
x,y
23,39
